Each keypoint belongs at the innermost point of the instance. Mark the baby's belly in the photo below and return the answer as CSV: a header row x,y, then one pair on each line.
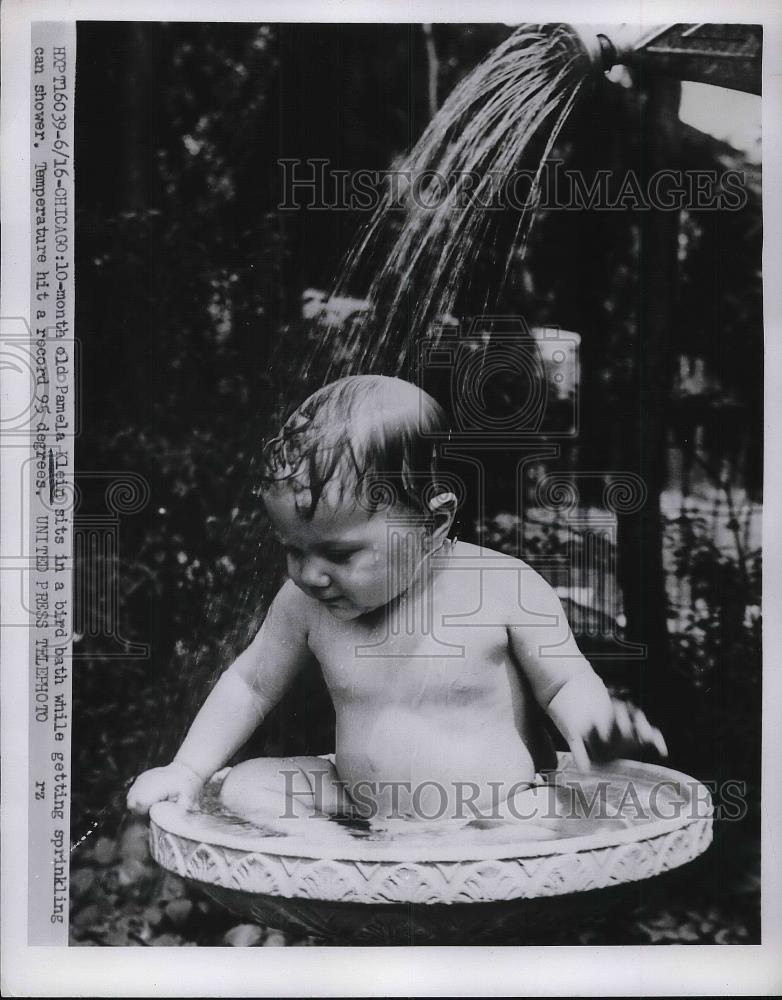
x,y
428,765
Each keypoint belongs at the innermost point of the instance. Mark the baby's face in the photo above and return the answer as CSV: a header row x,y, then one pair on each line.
x,y
349,559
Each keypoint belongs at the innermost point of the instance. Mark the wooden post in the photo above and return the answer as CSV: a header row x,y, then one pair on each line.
x,y
640,535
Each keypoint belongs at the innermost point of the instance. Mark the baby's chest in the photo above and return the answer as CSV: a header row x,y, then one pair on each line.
x,y
455,665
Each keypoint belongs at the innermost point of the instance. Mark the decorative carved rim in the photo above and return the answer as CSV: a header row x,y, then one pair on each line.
x,y
376,872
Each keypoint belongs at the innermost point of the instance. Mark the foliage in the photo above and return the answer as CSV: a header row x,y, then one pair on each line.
x,y
721,626
717,653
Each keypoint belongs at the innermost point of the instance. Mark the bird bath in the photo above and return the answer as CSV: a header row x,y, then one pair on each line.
x,y
440,886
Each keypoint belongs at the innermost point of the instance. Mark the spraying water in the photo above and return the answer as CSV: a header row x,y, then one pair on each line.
x,y
425,235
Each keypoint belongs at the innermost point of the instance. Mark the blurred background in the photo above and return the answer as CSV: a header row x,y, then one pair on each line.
x,y
197,299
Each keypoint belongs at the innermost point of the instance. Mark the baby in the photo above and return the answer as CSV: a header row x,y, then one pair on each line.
x,y
438,655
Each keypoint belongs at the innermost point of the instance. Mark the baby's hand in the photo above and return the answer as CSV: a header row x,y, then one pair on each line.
x,y
175,781
602,728
622,733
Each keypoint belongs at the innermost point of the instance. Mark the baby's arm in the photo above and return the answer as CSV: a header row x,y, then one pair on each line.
x,y
237,704
594,724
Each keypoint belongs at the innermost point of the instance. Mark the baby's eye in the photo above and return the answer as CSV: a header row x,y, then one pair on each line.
x,y
341,556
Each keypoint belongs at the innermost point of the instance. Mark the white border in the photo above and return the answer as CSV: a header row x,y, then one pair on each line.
x,y
639,971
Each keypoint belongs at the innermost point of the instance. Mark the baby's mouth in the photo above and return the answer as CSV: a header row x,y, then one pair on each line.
x,y
330,600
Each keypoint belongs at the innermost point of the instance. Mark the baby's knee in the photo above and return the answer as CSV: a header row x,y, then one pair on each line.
x,y
245,781
564,809
533,803
267,786
235,785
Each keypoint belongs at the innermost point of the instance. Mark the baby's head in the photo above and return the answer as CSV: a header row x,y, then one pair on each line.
x,y
352,489
364,439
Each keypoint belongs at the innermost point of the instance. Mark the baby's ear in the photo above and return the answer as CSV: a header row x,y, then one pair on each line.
x,y
442,502
442,506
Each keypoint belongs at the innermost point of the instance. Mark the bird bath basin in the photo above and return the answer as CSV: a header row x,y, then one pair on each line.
x,y
346,883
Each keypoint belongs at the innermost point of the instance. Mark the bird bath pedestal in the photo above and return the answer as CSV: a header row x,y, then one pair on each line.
x,y
470,887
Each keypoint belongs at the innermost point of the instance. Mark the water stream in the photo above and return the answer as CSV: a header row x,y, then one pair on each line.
x,y
418,251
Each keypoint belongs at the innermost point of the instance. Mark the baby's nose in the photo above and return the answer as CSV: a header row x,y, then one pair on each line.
x,y
313,573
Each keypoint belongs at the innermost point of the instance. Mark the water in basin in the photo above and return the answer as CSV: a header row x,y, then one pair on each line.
x,y
602,803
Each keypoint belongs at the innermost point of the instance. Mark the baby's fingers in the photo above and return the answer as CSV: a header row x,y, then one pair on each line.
x,y
578,751
188,799
632,730
153,786
137,802
140,804
628,730
647,733
623,722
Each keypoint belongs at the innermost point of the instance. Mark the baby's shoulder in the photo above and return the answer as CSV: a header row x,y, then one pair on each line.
x,y
468,554
506,580
293,604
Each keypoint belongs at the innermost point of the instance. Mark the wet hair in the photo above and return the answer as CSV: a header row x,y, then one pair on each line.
x,y
373,436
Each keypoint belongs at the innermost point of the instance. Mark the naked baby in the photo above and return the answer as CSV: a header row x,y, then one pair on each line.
x,y
440,657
